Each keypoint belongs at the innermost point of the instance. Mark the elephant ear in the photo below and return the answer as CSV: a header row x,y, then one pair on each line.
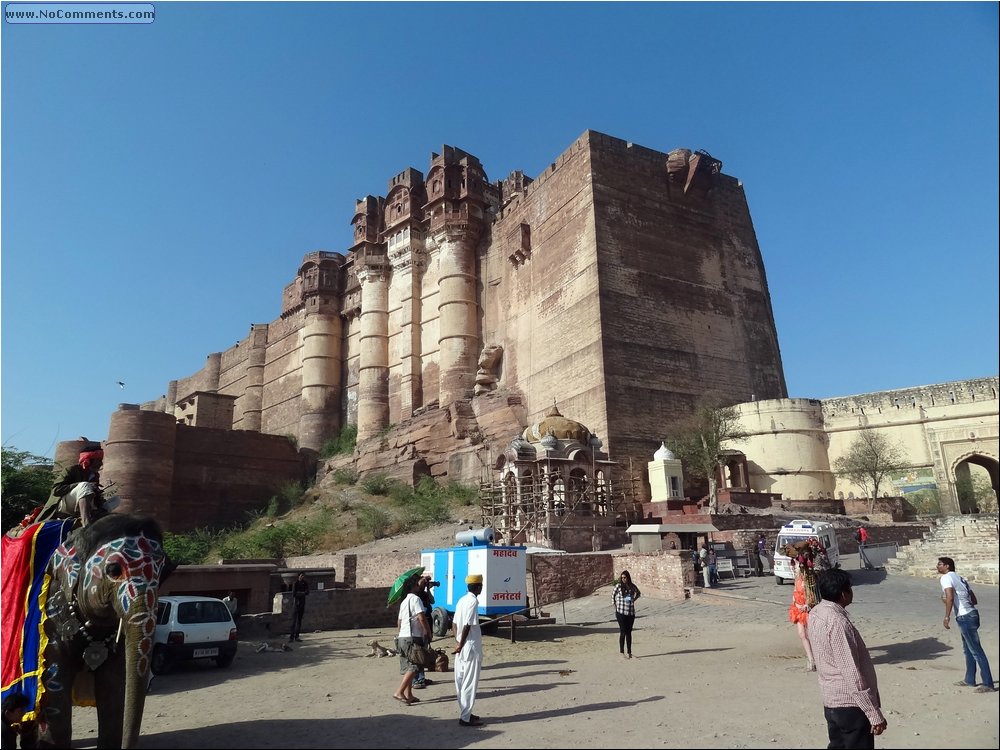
x,y
67,562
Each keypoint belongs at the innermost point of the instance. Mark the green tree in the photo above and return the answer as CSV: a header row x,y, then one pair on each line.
x,y
975,493
698,442
26,484
869,462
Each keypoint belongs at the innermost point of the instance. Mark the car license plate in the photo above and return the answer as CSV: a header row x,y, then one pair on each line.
x,y
202,652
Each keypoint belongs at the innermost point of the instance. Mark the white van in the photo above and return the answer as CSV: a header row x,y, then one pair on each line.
x,y
798,531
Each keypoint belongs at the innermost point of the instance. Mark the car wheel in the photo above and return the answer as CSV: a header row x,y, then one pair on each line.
x,y
225,659
779,580
161,662
439,621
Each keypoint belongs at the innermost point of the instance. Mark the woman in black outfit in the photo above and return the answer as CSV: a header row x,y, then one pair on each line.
x,y
624,596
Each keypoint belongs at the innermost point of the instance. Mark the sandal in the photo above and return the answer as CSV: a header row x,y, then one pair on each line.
x,y
402,700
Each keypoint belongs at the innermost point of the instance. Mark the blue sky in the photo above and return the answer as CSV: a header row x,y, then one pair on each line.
x,y
161,182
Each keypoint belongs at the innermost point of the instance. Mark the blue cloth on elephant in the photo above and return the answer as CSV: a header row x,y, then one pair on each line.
x,y
24,592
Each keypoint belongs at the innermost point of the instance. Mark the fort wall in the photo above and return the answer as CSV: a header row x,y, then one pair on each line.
x,y
794,444
191,477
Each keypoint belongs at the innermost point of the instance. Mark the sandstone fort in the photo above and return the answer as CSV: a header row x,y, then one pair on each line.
x,y
621,285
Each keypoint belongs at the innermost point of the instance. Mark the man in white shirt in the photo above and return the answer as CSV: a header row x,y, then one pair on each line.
x,y
957,599
468,651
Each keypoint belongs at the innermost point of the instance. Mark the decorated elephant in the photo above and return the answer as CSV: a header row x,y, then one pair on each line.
x,y
90,640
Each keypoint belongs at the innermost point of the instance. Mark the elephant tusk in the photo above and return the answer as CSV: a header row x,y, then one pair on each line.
x,y
121,630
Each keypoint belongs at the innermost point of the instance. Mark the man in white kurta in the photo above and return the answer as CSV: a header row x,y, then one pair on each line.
x,y
468,651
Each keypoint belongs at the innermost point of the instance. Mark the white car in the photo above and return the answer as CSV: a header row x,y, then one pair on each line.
x,y
193,627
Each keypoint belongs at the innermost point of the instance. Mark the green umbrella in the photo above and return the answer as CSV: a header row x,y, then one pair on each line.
x,y
396,592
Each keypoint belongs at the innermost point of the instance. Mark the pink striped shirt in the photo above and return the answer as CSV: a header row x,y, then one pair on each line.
x,y
846,673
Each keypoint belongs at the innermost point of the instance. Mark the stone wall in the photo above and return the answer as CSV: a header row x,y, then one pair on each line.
x,y
973,542
685,306
191,477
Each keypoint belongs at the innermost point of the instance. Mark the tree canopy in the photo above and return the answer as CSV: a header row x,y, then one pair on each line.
x,y
698,443
869,462
26,484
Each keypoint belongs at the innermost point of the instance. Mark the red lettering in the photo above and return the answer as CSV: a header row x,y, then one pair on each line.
x,y
507,596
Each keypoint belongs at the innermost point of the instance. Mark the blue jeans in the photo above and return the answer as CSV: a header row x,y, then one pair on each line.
x,y
974,654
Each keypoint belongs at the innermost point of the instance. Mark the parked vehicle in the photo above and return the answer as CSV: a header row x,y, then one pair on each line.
x,y
193,627
797,531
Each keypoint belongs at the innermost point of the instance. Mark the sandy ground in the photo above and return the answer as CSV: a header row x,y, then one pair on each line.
x,y
723,669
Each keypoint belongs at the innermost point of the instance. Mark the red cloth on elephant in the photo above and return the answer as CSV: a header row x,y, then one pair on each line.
x,y
24,591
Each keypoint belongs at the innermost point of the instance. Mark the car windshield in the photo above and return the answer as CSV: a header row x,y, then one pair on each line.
x,y
192,613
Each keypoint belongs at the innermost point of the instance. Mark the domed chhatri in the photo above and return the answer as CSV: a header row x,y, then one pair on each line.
x,y
664,453
558,426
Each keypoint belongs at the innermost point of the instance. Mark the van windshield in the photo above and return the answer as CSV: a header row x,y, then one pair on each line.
x,y
784,539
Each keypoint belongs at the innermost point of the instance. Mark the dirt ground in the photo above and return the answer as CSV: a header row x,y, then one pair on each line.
x,y
723,669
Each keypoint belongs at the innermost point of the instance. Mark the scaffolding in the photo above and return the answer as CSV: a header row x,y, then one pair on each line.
x,y
527,507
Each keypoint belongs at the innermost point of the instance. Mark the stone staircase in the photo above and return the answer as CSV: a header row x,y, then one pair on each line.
x,y
972,541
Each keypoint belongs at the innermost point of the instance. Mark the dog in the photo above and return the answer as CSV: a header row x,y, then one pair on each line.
x,y
266,646
378,650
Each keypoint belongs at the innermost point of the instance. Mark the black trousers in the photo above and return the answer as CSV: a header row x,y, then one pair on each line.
x,y
625,623
848,728
297,619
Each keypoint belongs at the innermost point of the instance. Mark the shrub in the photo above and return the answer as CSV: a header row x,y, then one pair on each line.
x,y
346,475
341,443
374,521
461,494
422,505
191,548
291,494
278,540
377,484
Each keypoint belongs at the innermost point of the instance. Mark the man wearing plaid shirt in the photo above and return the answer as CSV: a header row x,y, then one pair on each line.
x,y
847,679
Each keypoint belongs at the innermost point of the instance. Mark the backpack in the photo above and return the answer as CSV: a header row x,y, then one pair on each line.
x,y
972,595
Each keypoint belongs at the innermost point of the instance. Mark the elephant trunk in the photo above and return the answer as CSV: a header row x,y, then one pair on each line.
x,y
139,625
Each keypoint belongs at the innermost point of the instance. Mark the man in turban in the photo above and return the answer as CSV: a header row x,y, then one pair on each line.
x,y
468,651
78,491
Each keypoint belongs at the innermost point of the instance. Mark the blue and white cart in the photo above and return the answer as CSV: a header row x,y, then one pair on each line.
x,y
503,570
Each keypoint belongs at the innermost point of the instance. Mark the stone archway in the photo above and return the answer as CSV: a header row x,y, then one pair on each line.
x,y
968,488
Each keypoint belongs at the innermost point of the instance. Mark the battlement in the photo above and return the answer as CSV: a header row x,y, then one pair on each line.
x,y
915,398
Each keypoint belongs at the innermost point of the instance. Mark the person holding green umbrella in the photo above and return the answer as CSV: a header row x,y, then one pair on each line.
x,y
414,627
398,589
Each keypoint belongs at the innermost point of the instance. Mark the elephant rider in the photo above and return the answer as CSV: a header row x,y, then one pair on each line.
x,y
78,493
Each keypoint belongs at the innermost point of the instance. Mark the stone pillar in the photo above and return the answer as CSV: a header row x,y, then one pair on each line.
x,y
254,394
373,348
407,277
213,369
458,338
321,367
139,459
